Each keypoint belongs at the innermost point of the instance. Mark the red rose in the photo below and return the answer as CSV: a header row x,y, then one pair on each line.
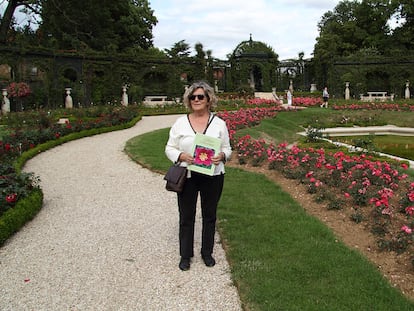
x,y
11,198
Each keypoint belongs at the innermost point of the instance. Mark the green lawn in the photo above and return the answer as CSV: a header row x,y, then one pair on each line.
x,y
281,258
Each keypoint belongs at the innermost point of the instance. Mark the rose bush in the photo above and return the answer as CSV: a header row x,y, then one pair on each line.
x,y
375,106
18,89
378,192
14,186
307,101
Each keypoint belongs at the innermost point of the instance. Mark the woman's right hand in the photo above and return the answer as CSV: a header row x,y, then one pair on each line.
x,y
186,157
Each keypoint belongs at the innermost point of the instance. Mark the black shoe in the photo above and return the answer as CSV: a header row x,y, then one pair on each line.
x,y
184,264
209,261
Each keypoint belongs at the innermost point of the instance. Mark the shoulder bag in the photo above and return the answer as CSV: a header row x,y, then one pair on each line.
x,y
176,177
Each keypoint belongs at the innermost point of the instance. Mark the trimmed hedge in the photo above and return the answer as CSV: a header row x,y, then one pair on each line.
x,y
15,218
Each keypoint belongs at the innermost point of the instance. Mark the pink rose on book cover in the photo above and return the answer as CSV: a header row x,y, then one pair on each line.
x,y
202,156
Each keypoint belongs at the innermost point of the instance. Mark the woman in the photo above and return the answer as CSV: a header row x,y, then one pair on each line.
x,y
325,96
199,99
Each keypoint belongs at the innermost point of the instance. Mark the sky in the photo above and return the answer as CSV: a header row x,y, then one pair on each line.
x,y
288,26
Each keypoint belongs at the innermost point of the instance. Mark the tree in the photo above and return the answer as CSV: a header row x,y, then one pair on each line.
x,y
403,35
353,26
372,18
204,63
200,53
110,26
180,49
6,22
101,25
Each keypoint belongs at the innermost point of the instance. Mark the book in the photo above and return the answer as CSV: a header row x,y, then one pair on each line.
x,y
204,149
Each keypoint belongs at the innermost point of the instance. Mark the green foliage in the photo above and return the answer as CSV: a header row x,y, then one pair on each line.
x,y
13,219
14,186
253,57
357,217
398,244
365,143
7,27
357,38
313,134
180,49
404,34
109,26
335,205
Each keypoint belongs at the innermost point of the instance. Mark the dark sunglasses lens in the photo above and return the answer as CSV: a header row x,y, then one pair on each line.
x,y
200,97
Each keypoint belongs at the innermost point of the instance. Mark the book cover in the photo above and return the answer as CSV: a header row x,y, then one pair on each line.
x,y
204,148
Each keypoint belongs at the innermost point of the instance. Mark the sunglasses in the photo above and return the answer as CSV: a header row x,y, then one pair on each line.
x,y
199,96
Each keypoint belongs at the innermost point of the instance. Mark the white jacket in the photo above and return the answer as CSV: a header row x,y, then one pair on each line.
x,y
181,139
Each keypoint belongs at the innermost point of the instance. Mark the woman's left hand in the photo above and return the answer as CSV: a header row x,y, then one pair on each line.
x,y
218,158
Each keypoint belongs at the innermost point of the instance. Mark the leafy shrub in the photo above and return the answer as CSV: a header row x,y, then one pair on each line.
x,y
13,219
313,134
14,186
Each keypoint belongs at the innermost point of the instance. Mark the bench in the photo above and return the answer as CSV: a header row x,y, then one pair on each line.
x,y
376,96
157,100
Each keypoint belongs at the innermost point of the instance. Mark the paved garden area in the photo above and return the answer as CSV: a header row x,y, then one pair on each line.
x,y
107,237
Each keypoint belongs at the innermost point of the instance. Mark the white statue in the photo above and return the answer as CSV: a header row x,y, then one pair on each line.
x,y
407,90
289,97
124,100
5,105
347,95
68,99
291,87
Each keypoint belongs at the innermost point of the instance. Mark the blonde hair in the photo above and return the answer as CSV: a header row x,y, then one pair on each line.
x,y
208,92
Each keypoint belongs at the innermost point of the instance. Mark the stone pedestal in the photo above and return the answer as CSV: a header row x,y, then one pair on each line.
x,y
347,93
313,88
68,99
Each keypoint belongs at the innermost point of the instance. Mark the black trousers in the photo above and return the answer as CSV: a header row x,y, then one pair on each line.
x,y
210,189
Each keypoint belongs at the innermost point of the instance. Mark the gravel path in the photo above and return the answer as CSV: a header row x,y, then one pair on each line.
x,y
107,237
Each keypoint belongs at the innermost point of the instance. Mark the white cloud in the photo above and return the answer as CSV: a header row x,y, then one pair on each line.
x,y
289,27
